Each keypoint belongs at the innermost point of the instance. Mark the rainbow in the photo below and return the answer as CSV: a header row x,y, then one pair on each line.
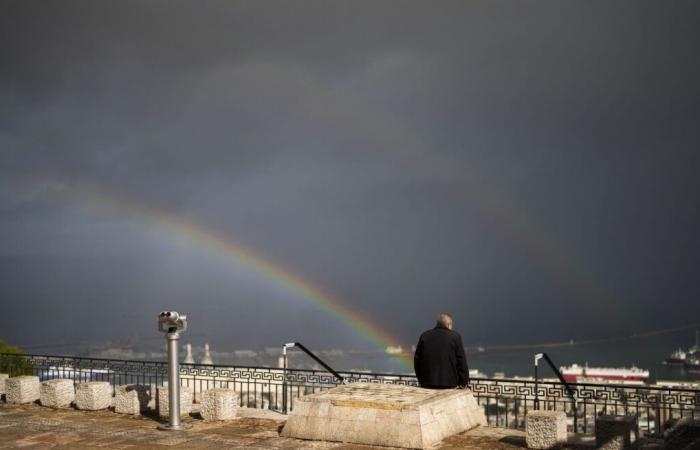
x,y
218,243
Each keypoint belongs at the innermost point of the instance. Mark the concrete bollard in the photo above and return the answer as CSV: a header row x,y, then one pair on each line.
x,y
131,398
57,393
219,404
24,389
616,432
3,377
93,395
683,434
545,429
186,397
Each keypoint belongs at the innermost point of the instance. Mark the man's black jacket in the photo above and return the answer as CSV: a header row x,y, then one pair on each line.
x,y
439,360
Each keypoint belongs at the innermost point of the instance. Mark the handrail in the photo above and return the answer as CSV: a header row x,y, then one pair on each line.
x,y
559,375
314,357
303,348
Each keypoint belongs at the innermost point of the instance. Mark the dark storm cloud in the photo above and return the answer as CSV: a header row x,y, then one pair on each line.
x,y
519,161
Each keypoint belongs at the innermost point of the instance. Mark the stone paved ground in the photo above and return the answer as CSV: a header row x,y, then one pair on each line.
x,y
35,427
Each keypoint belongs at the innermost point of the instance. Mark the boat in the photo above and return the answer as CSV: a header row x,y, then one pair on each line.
x,y
394,350
76,374
676,358
474,373
692,358
695,350
688,358
692,364
582,374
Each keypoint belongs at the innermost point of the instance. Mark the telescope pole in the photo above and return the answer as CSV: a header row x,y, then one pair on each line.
x,y
174,423
173,380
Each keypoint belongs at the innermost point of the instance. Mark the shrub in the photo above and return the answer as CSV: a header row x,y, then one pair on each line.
x,y
13,361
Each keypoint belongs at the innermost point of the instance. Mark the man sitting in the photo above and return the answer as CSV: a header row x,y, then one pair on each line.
x,y
439,361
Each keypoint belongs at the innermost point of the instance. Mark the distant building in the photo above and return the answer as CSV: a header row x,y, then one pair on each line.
x,y
206,359
188,356
394,350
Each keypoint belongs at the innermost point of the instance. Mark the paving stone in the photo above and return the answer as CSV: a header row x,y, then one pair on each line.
x,y
57,393
545,429
219,404
186,397
384,414
131,398
24,389
36,427
93,395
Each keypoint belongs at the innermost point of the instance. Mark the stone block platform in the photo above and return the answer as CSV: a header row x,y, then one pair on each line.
x,y
57,393
384,414
24,389
93,395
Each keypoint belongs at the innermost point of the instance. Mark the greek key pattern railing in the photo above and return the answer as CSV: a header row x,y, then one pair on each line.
x,y
505,401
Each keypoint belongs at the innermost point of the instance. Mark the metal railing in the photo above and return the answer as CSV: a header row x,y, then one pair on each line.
x,y
505,401
285,384
569,391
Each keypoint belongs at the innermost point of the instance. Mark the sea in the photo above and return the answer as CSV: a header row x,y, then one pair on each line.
x,y
646,352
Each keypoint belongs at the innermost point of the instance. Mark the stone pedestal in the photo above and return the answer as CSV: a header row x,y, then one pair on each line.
x,y
616,432
186,396
219,404
545,429
131,398
384,414
93,395
683,434
3,377
24,389
57,393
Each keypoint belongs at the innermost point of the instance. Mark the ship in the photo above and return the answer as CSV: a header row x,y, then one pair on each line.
x,y
585,374
692,364
694,351
689,358
676,358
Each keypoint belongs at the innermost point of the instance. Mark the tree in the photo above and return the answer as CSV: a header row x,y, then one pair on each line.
x,y
13,361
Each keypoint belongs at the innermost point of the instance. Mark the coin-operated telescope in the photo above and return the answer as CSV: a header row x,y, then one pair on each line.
x,y
171,323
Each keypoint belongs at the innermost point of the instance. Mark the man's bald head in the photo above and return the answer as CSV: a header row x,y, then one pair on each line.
x,y
445,320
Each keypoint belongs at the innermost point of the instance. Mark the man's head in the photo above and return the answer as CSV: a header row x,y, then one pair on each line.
x,y
445,320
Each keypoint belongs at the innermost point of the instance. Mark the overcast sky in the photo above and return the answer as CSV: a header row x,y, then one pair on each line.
x,y
529,166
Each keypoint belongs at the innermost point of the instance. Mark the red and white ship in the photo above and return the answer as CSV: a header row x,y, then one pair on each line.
x,y
583,374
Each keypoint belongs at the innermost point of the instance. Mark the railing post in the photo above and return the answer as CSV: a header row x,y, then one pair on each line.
x,y
284,381
538,356
563,381
285,408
